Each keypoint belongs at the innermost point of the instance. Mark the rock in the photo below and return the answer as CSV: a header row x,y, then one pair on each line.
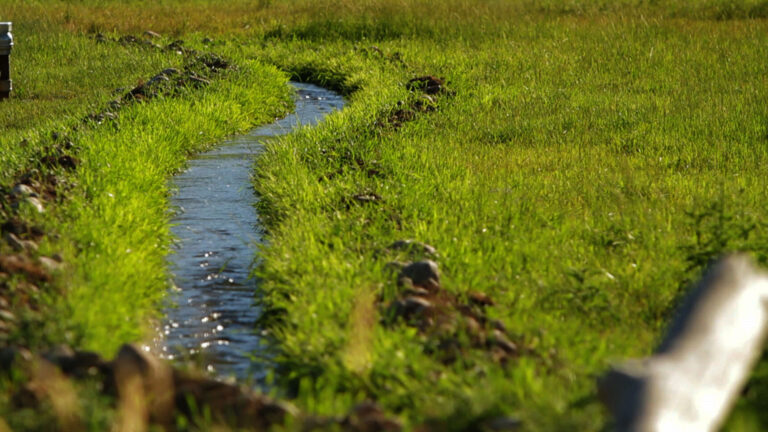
x,y
156,79
413,245
422,273
276,412
67,161
474,329
79,363
58,352
197,81
49,264
19,227
416,291
480,299
7,316
18,244
127,39
499,339
411,307
24,287
404,282
499,325
97,118
35,203
502,424
170,71
150,34
23,191
366,198
229,402
156,378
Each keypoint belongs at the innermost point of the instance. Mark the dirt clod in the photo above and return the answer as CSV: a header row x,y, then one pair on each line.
x,y
452,323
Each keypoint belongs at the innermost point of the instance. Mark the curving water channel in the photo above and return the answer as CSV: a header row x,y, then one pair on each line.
x,y
212,313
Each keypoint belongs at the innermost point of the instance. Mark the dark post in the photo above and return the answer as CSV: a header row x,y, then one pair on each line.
x,y
6,44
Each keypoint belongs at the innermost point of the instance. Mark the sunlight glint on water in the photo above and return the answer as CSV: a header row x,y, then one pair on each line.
x,y
217,229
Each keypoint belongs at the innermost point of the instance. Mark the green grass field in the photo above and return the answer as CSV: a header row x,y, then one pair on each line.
x,y
587,161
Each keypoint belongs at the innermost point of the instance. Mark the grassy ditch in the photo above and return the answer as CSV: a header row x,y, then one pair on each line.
x,y
106,172
569,167
584,171
87,149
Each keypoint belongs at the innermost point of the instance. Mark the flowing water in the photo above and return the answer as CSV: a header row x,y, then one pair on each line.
x,y
213,313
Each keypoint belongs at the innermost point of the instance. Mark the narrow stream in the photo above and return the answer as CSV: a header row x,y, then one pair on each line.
x,y
212,314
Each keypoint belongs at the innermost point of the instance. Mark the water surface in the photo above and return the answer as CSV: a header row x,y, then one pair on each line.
x,y
212,314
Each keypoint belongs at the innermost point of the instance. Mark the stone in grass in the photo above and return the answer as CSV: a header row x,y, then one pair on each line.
x,y
422,273
35,203
19,245
156,79
197,81
365,198
22,191
19,264
411,307
50,264
169,71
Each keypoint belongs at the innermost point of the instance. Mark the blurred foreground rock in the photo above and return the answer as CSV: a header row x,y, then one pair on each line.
x,y
698,371
151,393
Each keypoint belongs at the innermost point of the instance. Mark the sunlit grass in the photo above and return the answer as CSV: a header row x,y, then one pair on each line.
x,y
595,155
568,179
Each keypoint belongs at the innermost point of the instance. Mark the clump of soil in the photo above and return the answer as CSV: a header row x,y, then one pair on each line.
x,y
428,84
198,71
427,91
452,324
